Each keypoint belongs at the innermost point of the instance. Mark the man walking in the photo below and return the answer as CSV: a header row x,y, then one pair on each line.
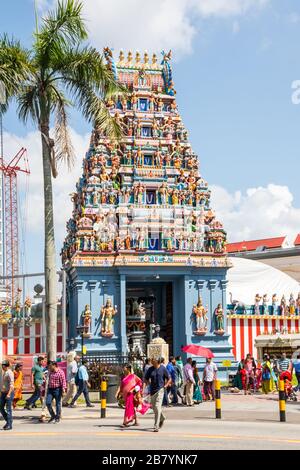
x,y
83,384
188,375
7,394
56,387
72,369
37,377
284,363
209,376
172,389
157,377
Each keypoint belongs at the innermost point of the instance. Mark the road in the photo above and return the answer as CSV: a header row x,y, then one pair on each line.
x,y
247,423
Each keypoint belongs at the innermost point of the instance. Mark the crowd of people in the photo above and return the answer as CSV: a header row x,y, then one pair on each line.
x,y
162,384
253,376
50,384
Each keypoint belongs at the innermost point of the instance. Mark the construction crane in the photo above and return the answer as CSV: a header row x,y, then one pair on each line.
x,y
19,164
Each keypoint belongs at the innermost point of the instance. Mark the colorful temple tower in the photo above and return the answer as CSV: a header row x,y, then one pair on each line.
x,y
143,246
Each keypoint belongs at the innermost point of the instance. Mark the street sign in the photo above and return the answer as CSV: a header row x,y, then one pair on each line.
x,y
84,350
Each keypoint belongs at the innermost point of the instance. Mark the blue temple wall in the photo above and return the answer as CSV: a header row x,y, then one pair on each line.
x,y
94,285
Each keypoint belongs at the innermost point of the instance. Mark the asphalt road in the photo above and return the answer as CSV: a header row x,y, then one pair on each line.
x,y
247,423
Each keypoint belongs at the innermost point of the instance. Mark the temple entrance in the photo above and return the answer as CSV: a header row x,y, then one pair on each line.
x,y
148,304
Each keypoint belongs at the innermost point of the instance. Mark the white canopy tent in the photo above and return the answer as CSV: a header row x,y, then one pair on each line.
x,y
248,278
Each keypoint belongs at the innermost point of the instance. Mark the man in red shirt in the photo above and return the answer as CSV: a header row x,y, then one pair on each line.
x,y
57,386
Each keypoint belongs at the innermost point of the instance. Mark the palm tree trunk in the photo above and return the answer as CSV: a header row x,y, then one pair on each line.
x,y
50,254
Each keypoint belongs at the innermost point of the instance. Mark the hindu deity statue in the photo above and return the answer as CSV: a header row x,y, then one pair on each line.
x,y
219,319
298,305
87,321
283,306
292,305
17,310
274,304
107,318
200,313
27,309
257,304
265,307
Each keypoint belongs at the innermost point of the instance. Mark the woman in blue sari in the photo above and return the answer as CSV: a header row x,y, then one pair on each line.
x,y
197,397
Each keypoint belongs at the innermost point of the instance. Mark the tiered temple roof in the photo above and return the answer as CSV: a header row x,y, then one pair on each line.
x,y
143,199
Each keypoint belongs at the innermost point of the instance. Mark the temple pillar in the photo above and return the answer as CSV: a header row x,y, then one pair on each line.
x,y
123,314
224,284
212,285
92,287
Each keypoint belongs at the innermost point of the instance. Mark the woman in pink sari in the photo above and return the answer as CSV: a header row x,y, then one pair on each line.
x,y
131,390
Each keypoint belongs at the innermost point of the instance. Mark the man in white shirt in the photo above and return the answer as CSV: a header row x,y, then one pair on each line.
x,y
209,376
72,369
189,382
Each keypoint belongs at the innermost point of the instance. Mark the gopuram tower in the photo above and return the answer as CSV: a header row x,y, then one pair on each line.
x,y
143,246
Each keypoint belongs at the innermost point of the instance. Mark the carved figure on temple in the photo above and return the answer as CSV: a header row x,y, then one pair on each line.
x,y
103,175
283,306
134,101
298,305
265,307
87,321
200,313
292,305
163,192
128,243
17,309
274,304
139,157
5,314
160,105
27,310
85,243
219,320
107,318
257,301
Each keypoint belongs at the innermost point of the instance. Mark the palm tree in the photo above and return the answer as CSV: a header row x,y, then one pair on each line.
x,y
59,71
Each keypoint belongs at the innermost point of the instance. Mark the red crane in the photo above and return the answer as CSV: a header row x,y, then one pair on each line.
x,y
11,223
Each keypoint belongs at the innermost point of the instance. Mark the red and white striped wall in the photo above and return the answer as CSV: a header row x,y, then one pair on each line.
x,y
243,330
25,340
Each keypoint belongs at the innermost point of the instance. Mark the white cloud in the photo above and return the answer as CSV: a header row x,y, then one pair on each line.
x,y
156,24
63,185
258,213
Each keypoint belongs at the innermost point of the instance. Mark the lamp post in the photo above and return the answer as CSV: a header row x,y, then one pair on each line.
x,y
80,330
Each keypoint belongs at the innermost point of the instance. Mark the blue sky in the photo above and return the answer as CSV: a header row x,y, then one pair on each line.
x,y
233,69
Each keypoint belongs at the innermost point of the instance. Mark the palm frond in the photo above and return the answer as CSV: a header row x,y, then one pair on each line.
x,y
28,103
63,26
15,65
64,150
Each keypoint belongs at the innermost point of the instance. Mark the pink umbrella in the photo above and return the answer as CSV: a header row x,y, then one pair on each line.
x,y
198,350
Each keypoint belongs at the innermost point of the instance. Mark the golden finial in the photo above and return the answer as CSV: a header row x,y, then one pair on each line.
x,y
137,58
129,58
121,56
146,58
154,61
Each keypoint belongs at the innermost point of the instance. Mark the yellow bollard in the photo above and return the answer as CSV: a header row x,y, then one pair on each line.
x,y
218,398
282,404
103,396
